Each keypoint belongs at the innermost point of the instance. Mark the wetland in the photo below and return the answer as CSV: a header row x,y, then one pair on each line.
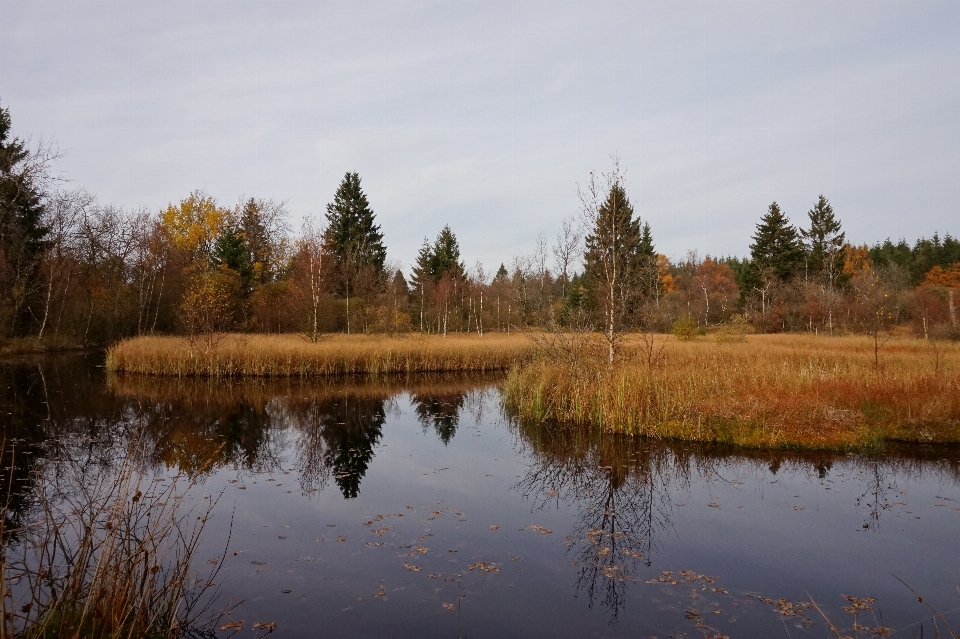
x,y
418,506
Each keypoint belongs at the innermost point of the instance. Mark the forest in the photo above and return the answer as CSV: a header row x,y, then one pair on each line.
x,y
75,271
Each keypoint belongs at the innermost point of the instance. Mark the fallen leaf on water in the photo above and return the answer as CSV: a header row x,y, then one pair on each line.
x,y
339,538
265,625
232,625
280,537
494,527
286,591
484,566
434,575
422,550
449,606
374,545
259,563
411,567
540,529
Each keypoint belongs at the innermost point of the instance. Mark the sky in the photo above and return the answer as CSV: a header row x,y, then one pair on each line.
x,y
487,115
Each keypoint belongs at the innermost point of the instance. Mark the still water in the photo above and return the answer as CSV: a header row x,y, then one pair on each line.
x,y
415,507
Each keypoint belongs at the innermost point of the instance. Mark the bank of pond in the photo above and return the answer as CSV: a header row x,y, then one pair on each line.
x,y
766,391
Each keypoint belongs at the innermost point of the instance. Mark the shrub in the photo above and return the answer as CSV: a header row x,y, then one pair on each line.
x,y
685,329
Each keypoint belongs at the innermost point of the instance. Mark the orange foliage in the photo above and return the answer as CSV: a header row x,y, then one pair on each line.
x,y
857,260
937,276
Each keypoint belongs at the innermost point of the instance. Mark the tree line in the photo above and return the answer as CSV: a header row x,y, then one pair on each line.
x,y
75,270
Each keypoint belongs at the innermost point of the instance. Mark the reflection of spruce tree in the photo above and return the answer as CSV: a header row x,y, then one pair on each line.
x,y
442,412
348,429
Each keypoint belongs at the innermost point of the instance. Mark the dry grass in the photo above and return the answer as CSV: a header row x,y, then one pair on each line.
x,y
108,555
239,355
775,391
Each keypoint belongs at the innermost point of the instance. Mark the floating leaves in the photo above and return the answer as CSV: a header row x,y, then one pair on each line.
x,y
539,529
232,625
449,606
379,532
483,566
265,625
411,567
494,527
858,604
422,550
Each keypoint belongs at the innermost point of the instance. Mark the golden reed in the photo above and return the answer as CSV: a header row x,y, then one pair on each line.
x,y
240,355
772,391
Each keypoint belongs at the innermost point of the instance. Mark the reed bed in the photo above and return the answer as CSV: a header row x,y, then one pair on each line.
x,y
239,355
772,391
108,554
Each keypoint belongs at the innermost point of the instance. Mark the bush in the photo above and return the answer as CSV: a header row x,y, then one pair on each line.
x,y
685,329
734,331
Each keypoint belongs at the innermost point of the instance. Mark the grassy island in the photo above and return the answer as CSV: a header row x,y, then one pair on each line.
x,y
245,355
771,391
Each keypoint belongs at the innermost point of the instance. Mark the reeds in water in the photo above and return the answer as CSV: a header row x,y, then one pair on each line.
x,y
776,391
238,355
108,554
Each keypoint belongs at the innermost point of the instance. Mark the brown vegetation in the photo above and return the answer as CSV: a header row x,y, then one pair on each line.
x,y
109,553
239,355
776,391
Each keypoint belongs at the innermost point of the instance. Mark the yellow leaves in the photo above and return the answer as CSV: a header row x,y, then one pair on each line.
x,y
194,223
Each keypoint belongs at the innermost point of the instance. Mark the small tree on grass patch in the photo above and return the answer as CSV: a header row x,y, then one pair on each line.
x,y
875,305
208,309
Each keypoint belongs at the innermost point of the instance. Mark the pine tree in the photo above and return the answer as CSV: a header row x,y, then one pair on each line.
x,y
825,241
776,245
230,251
23,233
351,232
421,278
502,275
445,256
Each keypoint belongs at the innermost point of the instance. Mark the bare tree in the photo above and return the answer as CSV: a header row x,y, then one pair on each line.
x,y
312,249
610,242
567,249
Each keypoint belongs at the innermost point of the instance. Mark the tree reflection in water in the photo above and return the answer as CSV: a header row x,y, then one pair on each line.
x,y
622,489
441,411
337,438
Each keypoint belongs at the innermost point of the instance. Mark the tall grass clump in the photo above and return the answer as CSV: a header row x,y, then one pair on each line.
x,y
108,554
776,391
238,355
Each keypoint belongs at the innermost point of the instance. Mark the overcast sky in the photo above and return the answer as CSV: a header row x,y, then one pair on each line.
x,y
485,115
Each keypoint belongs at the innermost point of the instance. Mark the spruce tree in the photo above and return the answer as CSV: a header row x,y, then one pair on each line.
x,y
825,242
230,251
615,249
351,231
445,256
776,245
23,234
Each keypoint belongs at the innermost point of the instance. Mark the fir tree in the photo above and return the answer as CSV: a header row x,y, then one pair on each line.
x,y
230,251
825,242
351,232
445,256
23,233
502,275
776,245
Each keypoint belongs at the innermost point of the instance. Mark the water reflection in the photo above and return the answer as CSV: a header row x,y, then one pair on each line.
x,y
196,425
625,490
439,410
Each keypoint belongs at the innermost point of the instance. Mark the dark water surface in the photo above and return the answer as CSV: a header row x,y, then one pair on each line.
x,y
417,508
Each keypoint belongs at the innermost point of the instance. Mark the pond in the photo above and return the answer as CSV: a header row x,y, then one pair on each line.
x,y
415,507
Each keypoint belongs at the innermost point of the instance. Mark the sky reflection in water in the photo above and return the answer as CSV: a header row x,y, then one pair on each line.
x,y
416,508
